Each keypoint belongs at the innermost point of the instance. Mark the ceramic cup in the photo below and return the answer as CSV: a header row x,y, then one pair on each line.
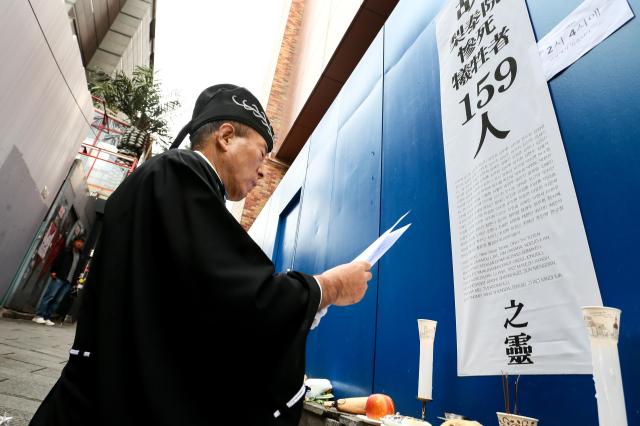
x,y
427,329
603,323
505,419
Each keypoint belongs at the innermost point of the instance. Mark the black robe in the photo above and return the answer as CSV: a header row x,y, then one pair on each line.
x,y
183,320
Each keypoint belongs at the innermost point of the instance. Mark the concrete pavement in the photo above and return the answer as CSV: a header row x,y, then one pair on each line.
x,y
31,358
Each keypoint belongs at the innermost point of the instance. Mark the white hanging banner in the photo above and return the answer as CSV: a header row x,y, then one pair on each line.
x,y
586,27
521,263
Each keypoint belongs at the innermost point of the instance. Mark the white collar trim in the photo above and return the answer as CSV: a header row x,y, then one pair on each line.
x,y
209,163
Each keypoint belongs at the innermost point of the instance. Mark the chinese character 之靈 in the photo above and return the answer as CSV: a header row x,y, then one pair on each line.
x,y
518,350
518,308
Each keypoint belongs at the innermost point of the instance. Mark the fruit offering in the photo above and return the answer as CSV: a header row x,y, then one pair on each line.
x,y
379,405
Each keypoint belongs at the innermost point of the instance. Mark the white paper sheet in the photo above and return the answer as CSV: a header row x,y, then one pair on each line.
x,y
379,247
372,254
586,27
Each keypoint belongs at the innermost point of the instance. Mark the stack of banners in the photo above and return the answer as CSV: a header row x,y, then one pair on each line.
x,y
521,262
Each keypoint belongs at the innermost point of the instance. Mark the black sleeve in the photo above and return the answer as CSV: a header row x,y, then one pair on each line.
x,y
213,252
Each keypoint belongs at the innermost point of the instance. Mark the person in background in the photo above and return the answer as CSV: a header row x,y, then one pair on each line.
x,y
69,310
64,271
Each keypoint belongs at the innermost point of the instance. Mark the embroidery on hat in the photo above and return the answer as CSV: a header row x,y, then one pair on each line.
x,y
256,111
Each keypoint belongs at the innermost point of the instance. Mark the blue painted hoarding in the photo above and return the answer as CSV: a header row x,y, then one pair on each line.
x,y
378,153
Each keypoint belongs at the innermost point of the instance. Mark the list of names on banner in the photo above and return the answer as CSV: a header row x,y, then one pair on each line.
x,y
514,187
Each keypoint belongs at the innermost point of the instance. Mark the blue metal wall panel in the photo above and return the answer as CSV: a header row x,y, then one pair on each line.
x,y
313,228
354,223
596,102
315,211
598,108
292,180
284,250
289,186
416,278
409,18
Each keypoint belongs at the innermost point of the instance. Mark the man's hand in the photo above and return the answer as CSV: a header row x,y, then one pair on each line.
x,y
345,284
54,275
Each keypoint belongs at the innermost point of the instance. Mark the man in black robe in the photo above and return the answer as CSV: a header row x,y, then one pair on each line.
x,y
168,245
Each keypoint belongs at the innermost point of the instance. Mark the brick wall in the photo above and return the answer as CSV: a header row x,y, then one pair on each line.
x,y
276,107
257,198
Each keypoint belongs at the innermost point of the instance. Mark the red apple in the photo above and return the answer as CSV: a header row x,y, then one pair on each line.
x,y
378,406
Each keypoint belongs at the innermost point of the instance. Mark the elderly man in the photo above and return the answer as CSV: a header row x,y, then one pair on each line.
x,y
169,243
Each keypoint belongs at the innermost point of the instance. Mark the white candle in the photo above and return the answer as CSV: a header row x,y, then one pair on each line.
x,y
427,331
603,325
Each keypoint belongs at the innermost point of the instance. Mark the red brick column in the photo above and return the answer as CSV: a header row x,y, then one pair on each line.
x,y
257,198
276,107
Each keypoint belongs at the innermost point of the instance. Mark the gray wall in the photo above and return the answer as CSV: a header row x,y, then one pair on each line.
x,y
78,208
45,110
83,203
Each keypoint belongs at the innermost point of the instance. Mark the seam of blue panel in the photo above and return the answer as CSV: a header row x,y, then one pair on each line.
x,y
265,210
278,240
293,204
300,201
375,333
409,47
333,181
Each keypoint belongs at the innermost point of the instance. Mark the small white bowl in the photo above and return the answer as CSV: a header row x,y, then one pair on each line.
x,y
505,419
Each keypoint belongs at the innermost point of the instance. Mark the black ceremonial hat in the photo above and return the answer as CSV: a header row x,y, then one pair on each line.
x,y
228,102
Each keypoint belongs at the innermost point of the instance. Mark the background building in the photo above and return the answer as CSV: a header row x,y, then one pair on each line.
x,y
114,34
45,113
47,118
370,159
